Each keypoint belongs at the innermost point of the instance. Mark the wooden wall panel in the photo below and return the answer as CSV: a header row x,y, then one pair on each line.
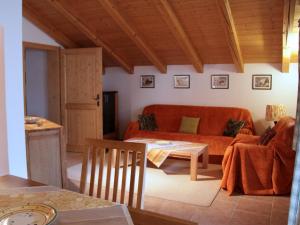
x,y
99,21
258,24
154,29
259,28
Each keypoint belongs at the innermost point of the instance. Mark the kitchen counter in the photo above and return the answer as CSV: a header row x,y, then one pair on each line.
x,y
42,124
45,152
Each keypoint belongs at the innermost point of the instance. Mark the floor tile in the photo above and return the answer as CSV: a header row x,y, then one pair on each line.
x,y
281,203
267,198
241,217
279,217
211,217
255,206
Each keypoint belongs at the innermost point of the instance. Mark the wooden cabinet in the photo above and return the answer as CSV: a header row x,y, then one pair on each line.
x,y
45,153
110,114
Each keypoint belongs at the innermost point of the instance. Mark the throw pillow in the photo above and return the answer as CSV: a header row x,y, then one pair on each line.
x,y
233,127
189,125
266,137
147,122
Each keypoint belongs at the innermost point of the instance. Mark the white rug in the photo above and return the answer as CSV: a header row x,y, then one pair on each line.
x,y
172,182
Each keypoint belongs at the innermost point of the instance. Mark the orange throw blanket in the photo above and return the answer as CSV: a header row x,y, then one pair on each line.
x,y
260,170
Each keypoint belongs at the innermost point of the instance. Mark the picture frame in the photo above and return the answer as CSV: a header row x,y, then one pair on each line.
x,y
147,81
219,81
261,81
182,81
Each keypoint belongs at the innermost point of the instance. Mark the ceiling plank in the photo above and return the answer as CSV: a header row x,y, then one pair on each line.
x,y
133,34
179,33
37,20
231,34
91,35
287,28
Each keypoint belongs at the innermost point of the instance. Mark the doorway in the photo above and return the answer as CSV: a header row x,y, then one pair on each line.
x,y
42,81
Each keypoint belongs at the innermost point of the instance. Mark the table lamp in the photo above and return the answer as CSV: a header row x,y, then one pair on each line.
x,y
275,112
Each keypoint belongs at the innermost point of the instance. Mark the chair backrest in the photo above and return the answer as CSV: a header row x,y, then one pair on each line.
x,y
118,153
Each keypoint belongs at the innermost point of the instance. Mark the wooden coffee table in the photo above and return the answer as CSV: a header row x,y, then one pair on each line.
x,y
193,155
177,149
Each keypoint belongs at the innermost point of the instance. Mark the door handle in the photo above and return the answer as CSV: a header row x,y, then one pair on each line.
x,y
97,97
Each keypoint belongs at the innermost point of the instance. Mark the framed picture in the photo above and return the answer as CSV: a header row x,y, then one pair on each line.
x,y
181,81
261,82
147,81
220,81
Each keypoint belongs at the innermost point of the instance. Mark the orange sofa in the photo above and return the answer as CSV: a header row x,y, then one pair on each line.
x,y
212,123
258,169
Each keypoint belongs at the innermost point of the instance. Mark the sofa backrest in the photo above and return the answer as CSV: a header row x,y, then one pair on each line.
x,y
284,131
213,120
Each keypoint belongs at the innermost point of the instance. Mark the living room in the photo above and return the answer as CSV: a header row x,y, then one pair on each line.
x,y
191,120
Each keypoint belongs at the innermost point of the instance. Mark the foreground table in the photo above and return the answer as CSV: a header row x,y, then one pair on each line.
x,y
139,217
73,208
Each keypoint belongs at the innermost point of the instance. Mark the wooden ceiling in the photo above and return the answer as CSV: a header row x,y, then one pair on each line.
x,y
170,32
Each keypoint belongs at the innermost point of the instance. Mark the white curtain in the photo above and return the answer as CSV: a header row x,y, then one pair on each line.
x,y
294,214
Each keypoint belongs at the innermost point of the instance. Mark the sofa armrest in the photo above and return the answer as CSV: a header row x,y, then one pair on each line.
x,y
245,131
246,139
132,128
252,147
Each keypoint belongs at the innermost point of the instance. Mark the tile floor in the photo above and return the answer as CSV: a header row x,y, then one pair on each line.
x,y
225,210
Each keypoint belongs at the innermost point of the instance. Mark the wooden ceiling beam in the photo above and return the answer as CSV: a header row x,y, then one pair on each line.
x,y
287,28
231,34
91,35
45,26
179,33
133,34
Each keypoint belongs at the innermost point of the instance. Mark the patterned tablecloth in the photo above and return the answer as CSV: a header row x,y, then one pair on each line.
x,y
159,150
73,208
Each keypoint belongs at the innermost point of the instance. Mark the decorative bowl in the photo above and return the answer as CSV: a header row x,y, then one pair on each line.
x,y
31,119
31,214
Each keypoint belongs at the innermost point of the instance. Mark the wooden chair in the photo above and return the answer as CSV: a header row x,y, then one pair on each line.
x,y
96,151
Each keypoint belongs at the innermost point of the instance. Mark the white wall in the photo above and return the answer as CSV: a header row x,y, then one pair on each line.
x,y
132,98
36,83
33,34
4,169
11,21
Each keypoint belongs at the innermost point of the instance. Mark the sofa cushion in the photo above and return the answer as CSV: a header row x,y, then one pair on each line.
x,y
189,125
216,144
147,122
233,127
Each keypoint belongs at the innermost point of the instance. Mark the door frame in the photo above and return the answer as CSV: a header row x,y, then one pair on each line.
x,y
4,168
55,51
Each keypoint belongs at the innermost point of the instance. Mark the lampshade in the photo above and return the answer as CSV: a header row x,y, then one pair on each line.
x,y
275,112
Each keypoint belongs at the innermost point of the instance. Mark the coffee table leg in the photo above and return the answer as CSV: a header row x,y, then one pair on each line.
x,y
194,166
205,159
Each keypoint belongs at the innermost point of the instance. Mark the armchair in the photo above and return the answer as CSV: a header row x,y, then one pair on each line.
x,y
258,169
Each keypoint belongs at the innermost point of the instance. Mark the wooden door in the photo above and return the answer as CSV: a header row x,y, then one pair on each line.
x,y
81,96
